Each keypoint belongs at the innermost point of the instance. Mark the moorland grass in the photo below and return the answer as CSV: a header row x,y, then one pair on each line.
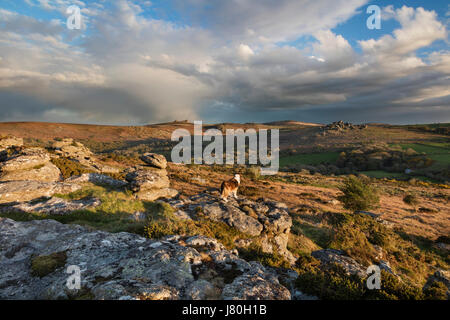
x,y
309,159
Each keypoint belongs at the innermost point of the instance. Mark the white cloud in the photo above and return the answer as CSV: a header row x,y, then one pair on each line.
x,y
419,28
245,51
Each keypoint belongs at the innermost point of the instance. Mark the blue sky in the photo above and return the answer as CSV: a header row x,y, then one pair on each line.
x,y
143,61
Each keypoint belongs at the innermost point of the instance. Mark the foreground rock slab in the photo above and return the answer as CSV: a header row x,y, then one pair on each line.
x,y
124,266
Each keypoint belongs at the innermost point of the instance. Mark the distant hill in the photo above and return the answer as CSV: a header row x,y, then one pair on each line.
x,y
295,135
293,123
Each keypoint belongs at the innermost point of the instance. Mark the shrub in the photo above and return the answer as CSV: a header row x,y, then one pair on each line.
x,y
69,167
249,191
393,288
332,284
436,291
306,262
411,200
358,195
254,253
354,242
335,284
338,219
254,173
443,239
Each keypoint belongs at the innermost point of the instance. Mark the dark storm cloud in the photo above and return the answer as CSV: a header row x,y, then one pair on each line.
x,y
225,66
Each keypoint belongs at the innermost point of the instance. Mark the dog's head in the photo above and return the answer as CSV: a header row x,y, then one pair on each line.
x,y
237,177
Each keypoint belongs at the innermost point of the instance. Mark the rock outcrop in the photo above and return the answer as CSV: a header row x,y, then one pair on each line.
x,y
341,125
73,150
29,164
35,255
9,142
76,151
25,159
267,220
150,183
27,174
155,160
19,191
46,173
147,178
232,216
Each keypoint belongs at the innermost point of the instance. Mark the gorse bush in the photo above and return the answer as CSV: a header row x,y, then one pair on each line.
x,y
358,194
253,172
359,234
331,284
354,242
436,291
411,200
335,284
255,253
69,167
306,262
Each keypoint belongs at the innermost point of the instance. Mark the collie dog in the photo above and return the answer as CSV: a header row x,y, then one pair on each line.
x,y
230,187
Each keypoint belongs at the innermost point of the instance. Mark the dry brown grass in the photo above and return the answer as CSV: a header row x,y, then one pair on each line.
x,y
429,224
323,199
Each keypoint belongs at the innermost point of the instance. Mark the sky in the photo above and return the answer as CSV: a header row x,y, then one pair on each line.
x,y
136,62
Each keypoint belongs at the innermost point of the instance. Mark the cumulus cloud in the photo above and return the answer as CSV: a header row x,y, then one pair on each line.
x,y
419,28
225,65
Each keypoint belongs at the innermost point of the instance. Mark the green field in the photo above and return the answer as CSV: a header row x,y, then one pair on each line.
x,y
437,151
309,159
429,148
430,125
443,159
380,174
384,174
